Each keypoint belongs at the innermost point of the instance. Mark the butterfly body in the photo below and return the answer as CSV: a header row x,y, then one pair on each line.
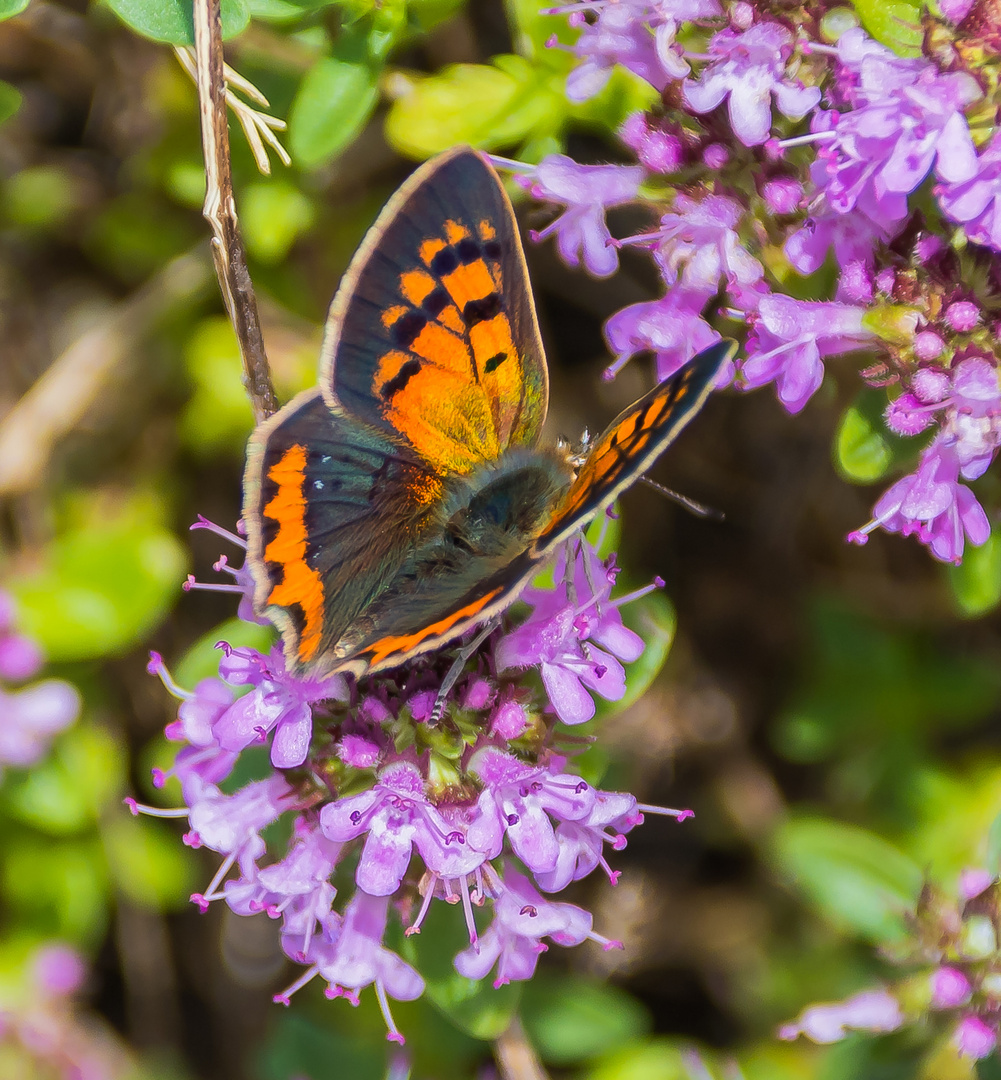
x,y
407,498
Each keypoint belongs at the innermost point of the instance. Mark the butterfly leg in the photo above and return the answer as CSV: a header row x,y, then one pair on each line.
x,y
458,664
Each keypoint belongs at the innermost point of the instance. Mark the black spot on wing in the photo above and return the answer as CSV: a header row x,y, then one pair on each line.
x,y
400,379
467,251
435,302
407,328
492,250
494,362
477,311
445,262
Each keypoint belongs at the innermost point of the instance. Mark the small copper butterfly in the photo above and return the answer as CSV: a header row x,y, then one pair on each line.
x,y
406,499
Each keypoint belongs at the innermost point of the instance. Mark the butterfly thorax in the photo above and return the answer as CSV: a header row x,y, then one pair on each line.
x,y
500,509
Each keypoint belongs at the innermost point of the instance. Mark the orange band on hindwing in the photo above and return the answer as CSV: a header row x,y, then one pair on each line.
x,y
387,646
300,584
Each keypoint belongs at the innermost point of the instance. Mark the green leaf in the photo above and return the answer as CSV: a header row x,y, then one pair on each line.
x,y
862,452
170,21
895,23
274,214
976,581
334,102
473,1006
148,862
218,416
857,880
107,581
486,106
67,792
40,196
10,101
296,1046
658,1058
201,660
62,886
572,1019
652,617
9,8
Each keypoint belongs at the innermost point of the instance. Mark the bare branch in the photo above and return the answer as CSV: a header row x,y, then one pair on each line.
x,y
61,396
228,253
516,1057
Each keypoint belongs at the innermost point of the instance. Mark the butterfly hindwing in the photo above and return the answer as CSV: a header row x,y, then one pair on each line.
x,y
633,442
333,508
432,335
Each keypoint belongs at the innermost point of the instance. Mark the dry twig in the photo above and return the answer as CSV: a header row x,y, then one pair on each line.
x,y
219,210
61,396
516,1058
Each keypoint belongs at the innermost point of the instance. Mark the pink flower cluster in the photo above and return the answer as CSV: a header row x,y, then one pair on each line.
x,y
957,982
770,140
482,810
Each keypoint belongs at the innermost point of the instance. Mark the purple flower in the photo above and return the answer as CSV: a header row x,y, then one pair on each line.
x,y
349,955
672,328
698,243
853,236
581,843
872,1010
396,815
518,800
907,118
658,150
58,971
20,657
522,917
973,1038
636,34
749,69
973,882
586,191
279,701
932,505
973,419
949,988
791,338
243,582
974,202
29,719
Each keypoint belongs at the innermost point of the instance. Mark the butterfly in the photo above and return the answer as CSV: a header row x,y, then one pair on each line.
x,y
406,499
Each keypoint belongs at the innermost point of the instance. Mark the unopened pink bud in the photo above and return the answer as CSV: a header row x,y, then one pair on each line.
x,y
949,988
928,345
973,1038
962,316
715,156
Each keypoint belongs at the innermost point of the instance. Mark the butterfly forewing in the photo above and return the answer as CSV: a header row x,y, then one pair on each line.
x,y
433,334
633,442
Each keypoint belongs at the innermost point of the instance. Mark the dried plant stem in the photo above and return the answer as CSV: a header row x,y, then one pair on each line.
x,y
219,210
516,1058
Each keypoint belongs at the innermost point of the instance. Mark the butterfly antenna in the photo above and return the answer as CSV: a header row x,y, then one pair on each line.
x,y
696,508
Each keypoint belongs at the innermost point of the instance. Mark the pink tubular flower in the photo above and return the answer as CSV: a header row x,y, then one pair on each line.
x,y
974,202
639,35
279,701
697,243
907,118
791,338
587,191
517,801
672,328
396,815
749,69
932,505
349,955
522,917
872,1010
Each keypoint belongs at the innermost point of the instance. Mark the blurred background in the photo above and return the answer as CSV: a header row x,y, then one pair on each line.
x,y
829,712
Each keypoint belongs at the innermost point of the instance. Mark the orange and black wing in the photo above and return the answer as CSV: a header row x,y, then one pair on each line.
x,y
432,336
633,442
333,510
